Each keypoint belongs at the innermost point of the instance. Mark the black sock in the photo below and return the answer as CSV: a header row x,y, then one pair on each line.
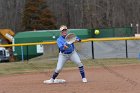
x,y
55,75
82,72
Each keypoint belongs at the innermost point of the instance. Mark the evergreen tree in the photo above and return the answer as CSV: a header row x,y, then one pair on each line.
x,y
37,16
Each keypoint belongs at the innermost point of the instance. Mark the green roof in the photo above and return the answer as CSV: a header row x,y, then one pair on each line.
x,y
40,33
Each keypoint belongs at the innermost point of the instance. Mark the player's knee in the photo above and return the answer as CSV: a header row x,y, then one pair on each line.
x,y
58,70
80,64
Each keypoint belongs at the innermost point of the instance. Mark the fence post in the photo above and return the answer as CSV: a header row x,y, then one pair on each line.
x,y
126,50
22,54
27,53
92,47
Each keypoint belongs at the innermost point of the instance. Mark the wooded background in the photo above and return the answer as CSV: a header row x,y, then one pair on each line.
x,y
76,13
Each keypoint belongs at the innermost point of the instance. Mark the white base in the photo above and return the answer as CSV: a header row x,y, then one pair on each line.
x,y
59,81
55,81
137,35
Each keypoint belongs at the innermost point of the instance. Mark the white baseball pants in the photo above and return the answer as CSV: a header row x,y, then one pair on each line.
x,y
65,57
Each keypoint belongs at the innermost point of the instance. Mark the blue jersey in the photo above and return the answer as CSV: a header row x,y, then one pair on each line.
x,y
61,42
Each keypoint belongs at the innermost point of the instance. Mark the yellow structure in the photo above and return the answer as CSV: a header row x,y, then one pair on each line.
x,y
7,34
6,53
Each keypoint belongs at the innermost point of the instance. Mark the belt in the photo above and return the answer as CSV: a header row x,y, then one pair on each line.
x,y
67,52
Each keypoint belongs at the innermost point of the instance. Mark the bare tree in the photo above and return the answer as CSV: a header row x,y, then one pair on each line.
x,y
10,14
77,13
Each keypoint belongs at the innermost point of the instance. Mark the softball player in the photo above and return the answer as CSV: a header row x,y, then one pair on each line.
x,y
67,52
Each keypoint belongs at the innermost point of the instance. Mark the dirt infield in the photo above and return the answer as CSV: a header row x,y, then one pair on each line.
x,y
116,79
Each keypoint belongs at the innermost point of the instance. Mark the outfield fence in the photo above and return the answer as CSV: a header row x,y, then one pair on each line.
x,y
85,40
92,40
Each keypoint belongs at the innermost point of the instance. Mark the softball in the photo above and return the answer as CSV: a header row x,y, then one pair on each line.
x,y
97,32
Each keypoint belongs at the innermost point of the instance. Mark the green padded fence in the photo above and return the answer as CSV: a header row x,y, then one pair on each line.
x,y
115,32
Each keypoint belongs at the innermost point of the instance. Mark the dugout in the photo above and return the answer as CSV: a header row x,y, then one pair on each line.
x,y
27,52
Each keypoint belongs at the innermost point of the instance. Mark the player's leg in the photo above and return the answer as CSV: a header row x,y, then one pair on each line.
x,y
61,61
76,59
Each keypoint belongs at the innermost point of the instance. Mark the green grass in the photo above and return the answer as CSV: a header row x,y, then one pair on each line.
x,y
42,65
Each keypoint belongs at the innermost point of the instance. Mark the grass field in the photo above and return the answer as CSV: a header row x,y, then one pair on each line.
x,y
42,65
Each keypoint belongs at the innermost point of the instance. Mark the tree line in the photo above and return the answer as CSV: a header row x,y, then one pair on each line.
x,y
76,13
